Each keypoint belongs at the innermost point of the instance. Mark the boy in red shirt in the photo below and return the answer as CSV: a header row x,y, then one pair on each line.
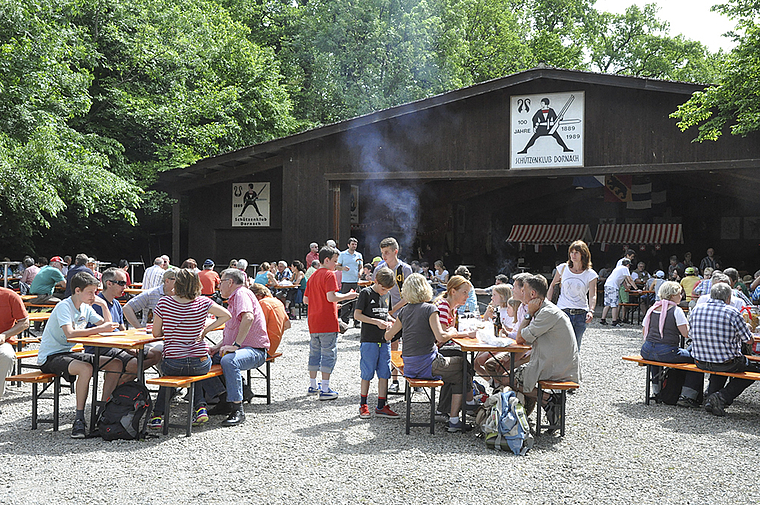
x,y
322,295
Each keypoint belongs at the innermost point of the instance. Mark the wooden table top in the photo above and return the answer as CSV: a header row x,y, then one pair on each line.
x,y
134,338
470,344
35,317
133,291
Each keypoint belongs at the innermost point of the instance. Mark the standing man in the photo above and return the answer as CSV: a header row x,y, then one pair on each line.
x,y
620,277
717,332
13,320
313,254
153,275
629,255
244,346
350,262
46,280
389,252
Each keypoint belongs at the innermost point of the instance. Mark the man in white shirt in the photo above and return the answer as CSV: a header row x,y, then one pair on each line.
x,y
350,262
154,275
621,275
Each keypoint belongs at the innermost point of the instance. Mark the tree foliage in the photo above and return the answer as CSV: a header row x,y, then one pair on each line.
x,y
735,101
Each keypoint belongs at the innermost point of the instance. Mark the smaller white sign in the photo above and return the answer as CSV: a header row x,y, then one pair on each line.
x,y
250,203
547,130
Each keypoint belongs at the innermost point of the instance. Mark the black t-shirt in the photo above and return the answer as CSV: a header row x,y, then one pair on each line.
x,y
372,305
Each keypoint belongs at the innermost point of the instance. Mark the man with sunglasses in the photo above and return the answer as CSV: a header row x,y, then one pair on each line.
x,y
114,282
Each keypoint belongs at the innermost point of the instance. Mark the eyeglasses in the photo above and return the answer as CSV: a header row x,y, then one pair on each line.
x,y
120,283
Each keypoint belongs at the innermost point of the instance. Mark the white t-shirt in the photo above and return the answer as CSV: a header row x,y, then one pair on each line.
x,y
574,291
616,277
735,301
679,315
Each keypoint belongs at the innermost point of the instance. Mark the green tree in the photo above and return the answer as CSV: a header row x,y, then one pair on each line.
x,y
735,100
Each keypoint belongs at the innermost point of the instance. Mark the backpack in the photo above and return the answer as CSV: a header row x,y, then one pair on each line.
x,y
672,382
505,424
126,413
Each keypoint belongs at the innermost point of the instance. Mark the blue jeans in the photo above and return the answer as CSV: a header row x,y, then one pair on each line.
x,y
323,352
579,326
668,353
245,358
183,366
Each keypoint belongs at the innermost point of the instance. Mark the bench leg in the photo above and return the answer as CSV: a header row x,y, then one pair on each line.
x,y
408,399
190,410
248,381
648,386
167,404
56,400
432,411
269,383
562,414
35,396
539,408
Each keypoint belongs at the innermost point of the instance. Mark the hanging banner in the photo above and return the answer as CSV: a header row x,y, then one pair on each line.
x,y
547,130
618,188
250,204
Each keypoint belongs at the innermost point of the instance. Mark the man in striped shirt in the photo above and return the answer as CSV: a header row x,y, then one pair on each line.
x,y
717,332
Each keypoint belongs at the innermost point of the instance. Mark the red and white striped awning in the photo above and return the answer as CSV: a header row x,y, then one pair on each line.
x,y
639,234
549,234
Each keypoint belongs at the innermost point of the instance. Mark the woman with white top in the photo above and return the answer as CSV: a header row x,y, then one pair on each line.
x,y
577,297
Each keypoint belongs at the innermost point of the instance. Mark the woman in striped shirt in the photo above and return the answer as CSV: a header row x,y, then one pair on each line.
x,y
181,320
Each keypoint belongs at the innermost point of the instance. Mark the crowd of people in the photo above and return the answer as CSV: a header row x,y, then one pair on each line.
x,y
405,306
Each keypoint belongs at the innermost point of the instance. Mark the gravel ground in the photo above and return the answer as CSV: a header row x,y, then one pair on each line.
x,y
616,449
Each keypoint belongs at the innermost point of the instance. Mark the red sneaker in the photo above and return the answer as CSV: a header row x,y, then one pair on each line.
x,y
386,412
364,411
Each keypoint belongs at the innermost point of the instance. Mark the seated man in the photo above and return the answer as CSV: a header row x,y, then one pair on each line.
x,y
717,332
46,280
274,312
209,279
720,278
244,346
69,319
13,320
146,301
500,279
554,354
114,281
80,265
154,274
640,276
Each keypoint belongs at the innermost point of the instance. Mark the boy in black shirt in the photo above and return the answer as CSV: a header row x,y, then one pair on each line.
x,y
372,311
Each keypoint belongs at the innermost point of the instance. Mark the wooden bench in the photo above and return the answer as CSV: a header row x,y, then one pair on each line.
x,y
564,387
687,367
266,375
409,385
632,307
32,353
182,381
46,379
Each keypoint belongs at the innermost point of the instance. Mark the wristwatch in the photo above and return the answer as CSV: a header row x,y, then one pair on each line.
x,y
236,344
528,317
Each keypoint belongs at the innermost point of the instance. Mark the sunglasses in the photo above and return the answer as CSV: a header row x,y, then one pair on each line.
x,y
120,283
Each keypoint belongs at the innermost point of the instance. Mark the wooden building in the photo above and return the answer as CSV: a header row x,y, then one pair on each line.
x,y
450,176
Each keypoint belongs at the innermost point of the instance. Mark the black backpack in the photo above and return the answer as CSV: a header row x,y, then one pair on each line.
x,y
126,413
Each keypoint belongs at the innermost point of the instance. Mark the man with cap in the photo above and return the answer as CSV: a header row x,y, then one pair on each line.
x,y
209,278
688,282
46,280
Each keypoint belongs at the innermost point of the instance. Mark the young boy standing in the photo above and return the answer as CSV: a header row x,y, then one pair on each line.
x,y
322,296
401,270
372,310
69,319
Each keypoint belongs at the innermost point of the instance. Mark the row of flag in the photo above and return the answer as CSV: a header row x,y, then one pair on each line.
x,y
637,192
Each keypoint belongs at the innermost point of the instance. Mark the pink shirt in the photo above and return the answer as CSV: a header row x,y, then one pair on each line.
x,y
240,302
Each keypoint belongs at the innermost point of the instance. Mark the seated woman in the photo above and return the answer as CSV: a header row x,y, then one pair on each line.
x,y
181,320
662,335
440,277
264,277
298,277
421,331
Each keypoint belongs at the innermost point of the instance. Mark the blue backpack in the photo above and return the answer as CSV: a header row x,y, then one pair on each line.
x,y
506,424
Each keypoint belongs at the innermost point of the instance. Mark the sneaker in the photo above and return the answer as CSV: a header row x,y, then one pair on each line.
x,y
357,324
553,415
386,412
328,395
79,429
201,416
393,388
364,411
455,427
603,322
684,401
156,423
715,404
312,391
440,416
616,323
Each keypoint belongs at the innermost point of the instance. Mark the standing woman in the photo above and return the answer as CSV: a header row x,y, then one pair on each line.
x,y
181,320
578,295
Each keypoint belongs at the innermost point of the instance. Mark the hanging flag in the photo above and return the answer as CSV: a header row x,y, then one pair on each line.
x,y
618,188
588,181
645,193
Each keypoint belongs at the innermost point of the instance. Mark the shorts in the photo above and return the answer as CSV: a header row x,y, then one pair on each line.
x,y
611,296
375,357
59,363
624,298
450,371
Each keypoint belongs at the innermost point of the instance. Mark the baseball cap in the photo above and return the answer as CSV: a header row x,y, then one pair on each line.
x,y
208,263
56,258
659,274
